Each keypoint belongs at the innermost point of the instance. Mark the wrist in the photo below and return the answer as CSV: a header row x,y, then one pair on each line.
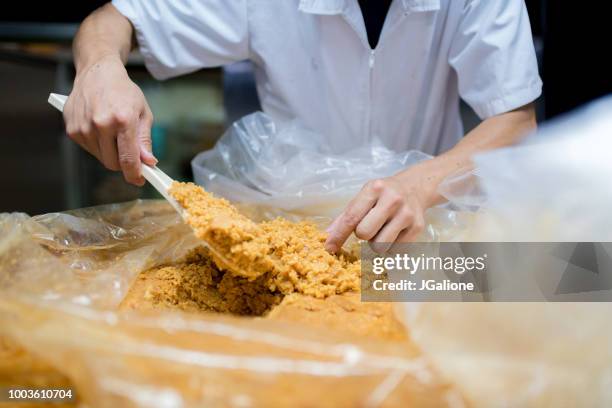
x,y
426,177
84,65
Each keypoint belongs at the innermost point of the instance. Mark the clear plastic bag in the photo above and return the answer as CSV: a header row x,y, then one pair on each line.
x,y
555,186
520,354
271,170
62,276
288,167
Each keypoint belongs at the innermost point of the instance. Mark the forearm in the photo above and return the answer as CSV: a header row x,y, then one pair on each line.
x,y
106,32
392,209
495,132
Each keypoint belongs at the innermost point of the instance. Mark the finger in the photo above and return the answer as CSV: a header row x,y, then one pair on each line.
x,y
349,219
88,137
75,130
383,241
90,144
74,135
333,224
392,229
380,247
67,112
80,135
107,143
129,155
144,138
412,232
106,125
376,218
372,222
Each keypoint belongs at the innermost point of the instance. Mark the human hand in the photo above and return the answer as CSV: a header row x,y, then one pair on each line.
x,y
107,114
386,210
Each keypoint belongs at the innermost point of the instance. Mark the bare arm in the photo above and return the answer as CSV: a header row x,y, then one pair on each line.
x,y
392,209
495,132
105,32
106,113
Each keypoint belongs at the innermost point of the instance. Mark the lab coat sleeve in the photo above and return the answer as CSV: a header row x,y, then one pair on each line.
x,y
493,54
176,37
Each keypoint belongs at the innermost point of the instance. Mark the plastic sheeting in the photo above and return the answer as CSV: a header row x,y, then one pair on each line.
x,y
62,276
555,186
288,167
521,354
269,169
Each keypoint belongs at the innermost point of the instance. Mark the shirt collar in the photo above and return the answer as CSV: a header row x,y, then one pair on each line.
x,y
326,7
421,5
330,7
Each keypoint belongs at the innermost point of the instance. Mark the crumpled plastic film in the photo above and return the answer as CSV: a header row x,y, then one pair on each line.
x,y
520,354
88,256
289,167
463,190
270,169
62,276
553,187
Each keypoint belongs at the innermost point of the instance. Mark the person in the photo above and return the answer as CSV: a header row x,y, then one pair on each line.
x,y
346,68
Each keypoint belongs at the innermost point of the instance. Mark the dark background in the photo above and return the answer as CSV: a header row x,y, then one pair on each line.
x,y
572,41
50,11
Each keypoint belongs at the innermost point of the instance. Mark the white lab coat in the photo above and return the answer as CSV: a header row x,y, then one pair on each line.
x,y
313,61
